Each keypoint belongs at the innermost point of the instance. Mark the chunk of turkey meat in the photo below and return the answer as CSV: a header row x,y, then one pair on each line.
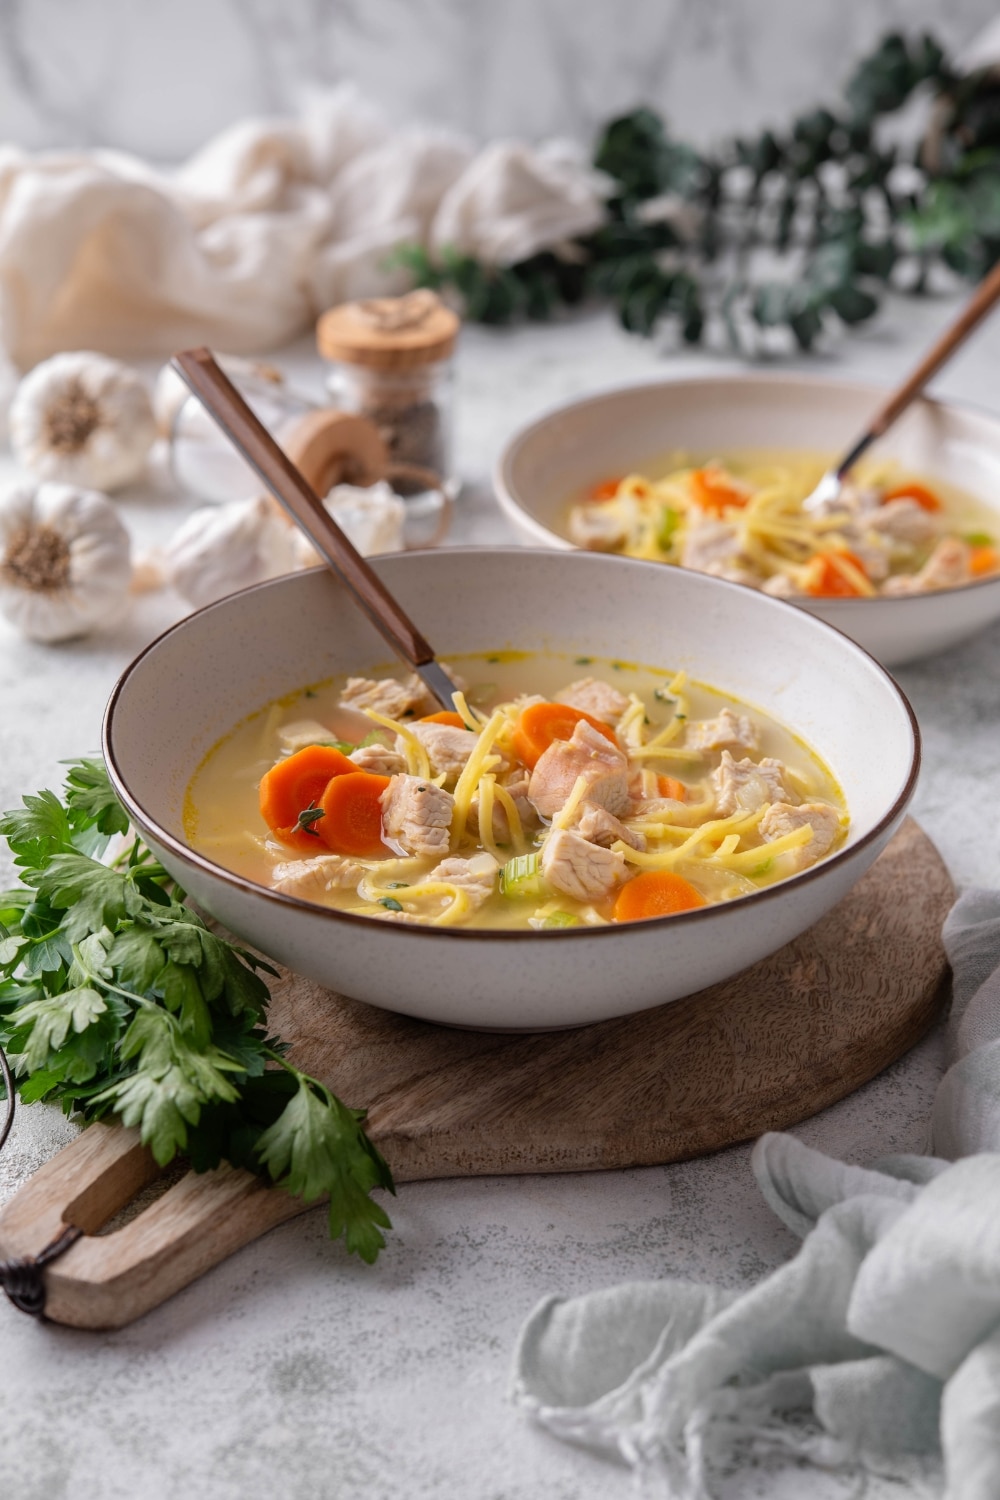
x,y
416,815
857,500
905,521
596,528
947,566
448,748
599,699
379,760
781,818
587,753
476,876
396,700
598,826
781,586
311,879
302,732
727,731
733,574
745,785
576,867
871,548
711,544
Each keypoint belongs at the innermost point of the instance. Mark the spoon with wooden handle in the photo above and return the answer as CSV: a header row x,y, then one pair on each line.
x,y
975,310
250,437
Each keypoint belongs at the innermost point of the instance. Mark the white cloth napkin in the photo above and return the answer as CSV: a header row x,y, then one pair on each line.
x,y
271,223
876,1349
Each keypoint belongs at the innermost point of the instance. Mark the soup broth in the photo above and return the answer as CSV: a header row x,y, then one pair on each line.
x,y
609,792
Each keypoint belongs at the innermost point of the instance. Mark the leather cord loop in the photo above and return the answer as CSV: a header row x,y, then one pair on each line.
x,y
8,1084
23,1280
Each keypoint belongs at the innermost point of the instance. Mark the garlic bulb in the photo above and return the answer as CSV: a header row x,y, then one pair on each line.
x,y
225,547
84,419
64,560
221,548
373,516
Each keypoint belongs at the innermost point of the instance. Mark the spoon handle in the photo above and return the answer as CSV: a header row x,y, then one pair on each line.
x,y
972,314
228,409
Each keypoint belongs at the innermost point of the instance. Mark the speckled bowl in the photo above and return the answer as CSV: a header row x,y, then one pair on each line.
x,y
549,462
193,684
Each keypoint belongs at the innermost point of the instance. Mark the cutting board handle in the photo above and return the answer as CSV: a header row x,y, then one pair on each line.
x,y
107,1280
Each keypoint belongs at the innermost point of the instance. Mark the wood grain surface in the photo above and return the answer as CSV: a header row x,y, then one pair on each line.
x,y
760,1052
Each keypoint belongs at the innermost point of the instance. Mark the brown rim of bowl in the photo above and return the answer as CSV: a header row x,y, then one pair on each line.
x,y
764,377
189,856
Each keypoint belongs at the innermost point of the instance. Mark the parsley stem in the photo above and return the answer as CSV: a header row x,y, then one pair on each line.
x,y
115,989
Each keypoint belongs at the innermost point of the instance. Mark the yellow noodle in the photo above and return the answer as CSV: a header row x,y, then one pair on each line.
x,y
465,788
719,827
470,717
417,762
487,798
514,824
749,859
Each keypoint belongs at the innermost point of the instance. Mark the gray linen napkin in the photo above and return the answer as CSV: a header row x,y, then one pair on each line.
x,y
876,1349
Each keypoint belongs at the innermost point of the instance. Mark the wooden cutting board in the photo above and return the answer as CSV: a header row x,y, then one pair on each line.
x,y
760,1052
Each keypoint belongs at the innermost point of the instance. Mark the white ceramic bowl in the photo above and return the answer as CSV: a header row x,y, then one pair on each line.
x,y
549,462
193,684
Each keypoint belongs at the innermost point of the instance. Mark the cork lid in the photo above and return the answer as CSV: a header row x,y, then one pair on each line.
x,y
336,447
389,333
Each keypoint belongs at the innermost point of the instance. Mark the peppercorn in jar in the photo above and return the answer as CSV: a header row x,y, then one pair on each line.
x,y
392,364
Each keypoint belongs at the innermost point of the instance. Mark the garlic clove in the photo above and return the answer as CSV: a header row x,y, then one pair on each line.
x,y
65,560
373,517
84,419
221,548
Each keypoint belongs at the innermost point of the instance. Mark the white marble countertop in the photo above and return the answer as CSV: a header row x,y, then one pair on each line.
x,y
295,1371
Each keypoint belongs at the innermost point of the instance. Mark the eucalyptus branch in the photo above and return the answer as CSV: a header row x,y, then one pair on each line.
x,y
785,234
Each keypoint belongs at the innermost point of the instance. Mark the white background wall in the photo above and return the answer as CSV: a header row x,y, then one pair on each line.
x,y
160,76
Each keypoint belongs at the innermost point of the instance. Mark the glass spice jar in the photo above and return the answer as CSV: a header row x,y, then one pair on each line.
x,y
203,462
392,363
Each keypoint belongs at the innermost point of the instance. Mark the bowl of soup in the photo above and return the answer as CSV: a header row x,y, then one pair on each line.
x,y
710,474
648,780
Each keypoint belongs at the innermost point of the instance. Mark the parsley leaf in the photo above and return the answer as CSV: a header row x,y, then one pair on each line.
x,y
91,895
89,791
315,1147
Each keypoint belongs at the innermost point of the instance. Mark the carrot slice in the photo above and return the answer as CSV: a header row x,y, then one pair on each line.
x,y
669,786
607,489
918,492
294,785
541,723
352,814
983,560
826,579
656,893
445,716
714,490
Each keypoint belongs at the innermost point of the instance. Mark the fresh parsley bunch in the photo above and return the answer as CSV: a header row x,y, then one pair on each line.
x,y
116,999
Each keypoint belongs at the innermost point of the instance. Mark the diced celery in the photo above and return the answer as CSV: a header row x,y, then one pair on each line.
x,y
669,519
561,919
522,876
978,539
